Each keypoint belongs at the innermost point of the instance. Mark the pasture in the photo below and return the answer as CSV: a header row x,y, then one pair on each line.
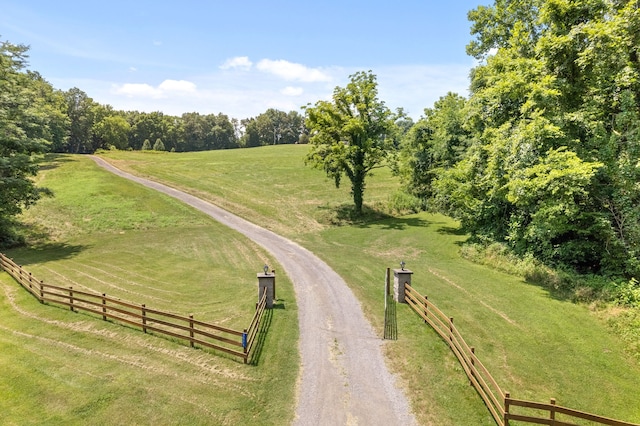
x,y
103,233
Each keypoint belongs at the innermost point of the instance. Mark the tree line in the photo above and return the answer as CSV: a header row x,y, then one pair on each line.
x,y
77,124
91,126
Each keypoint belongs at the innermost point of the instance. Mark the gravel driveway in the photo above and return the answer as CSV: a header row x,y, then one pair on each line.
x,y
343,378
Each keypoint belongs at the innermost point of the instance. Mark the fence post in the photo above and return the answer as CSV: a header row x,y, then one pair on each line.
x,y
387,283
451,330
71,299
191,329
473,364
426,308
507,396
144,318
244,345
30,278
41,291
104,307
552,410
273,271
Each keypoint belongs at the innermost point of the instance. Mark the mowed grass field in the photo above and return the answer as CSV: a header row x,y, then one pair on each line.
x,y
103,233
536,345
117,237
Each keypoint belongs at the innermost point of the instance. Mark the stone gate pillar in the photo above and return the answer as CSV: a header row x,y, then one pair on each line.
x,y
267,281
400,277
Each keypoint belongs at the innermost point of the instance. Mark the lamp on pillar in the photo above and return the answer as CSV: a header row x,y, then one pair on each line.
x,y
267,283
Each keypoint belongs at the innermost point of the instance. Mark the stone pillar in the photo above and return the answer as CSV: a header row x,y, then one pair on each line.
x,y
267,281
400,277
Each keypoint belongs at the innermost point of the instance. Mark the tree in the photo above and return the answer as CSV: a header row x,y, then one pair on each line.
x,y
81,112
23,126
146,145
151,126
55,122
351,134
113,131
158,145
552,169
437,141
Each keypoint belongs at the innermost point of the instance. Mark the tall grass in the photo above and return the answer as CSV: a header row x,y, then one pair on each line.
x,y
537,343
107,234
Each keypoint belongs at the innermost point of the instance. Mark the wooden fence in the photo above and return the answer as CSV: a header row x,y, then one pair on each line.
x,y
499,403
233,342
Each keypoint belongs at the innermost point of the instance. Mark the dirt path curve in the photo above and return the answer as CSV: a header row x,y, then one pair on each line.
x,y
344,380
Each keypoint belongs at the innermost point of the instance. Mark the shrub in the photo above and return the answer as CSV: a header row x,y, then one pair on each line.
x,y
402,203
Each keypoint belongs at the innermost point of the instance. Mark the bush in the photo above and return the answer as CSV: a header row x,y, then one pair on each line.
x,y
402,203
628,293
564,283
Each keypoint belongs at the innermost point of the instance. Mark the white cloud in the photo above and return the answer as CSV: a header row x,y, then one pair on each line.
x,y
292,91
240,62
177,86
292,71
136,90
164,89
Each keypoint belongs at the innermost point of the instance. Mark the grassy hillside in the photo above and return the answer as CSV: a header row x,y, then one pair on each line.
x,y
536,345
128,241
107,234
269,186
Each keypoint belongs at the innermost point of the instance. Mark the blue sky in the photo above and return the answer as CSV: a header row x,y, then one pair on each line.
x,y
242,57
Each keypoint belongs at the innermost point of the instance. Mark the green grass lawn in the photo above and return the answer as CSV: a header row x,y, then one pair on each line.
x,y
104,233
269,186
537,346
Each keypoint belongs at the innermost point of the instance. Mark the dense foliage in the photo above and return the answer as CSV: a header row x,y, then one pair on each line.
x,y
550,132
28,120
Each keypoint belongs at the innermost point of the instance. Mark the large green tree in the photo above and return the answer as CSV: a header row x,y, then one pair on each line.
x,y
81,110
352,134
553,117
112,131
24,129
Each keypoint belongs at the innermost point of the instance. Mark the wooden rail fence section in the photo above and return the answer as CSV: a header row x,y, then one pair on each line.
x,y
233,342
499,403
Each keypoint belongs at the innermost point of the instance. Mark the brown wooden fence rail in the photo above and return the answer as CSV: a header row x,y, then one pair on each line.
x,y
250,334
233,342
499,403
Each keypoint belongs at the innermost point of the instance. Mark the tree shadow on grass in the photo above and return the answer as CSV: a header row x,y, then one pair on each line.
x,y
52,161
345,215
42,253
450,230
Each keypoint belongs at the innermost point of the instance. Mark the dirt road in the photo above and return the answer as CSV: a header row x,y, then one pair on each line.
x,y
343,380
